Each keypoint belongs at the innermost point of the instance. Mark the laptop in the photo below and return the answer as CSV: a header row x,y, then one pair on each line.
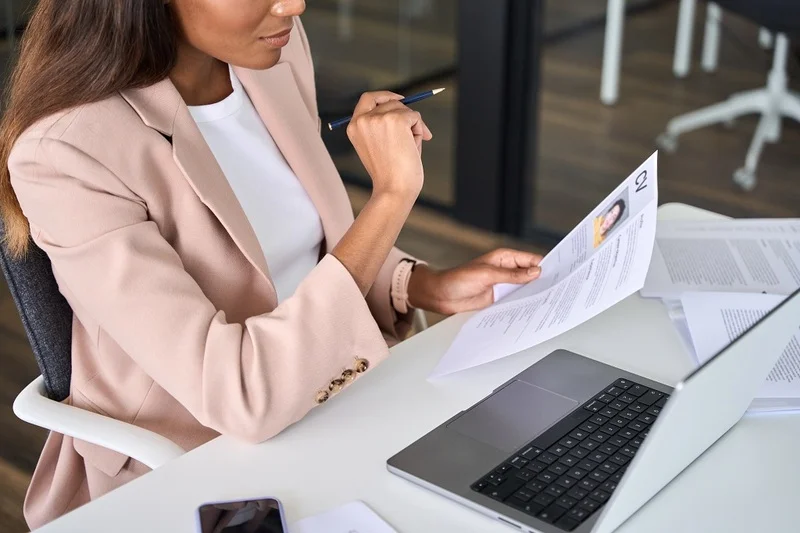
x,y
572,444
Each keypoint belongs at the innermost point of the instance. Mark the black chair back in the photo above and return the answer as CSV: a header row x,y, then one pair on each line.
x,y
46,315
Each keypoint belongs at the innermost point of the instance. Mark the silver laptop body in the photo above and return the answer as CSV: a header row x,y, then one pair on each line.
x,y
551,394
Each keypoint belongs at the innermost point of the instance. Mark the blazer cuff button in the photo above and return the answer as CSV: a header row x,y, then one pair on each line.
x,y
348,375
336,385
322,397
361,365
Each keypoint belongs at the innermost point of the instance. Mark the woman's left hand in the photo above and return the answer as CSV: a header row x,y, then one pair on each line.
x,y
470,286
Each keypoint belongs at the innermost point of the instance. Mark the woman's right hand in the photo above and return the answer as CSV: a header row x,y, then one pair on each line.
x,y
388,137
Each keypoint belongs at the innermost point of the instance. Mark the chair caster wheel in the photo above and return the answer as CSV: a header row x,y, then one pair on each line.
x,y
667,142
744,178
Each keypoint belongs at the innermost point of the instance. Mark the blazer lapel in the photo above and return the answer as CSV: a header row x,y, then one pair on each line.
x,y
276,97
161,107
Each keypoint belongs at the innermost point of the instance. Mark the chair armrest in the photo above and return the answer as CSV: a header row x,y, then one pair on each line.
x,y
33,406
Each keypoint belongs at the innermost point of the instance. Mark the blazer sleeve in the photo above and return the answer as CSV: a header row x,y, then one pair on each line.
x,y
248,380
379,298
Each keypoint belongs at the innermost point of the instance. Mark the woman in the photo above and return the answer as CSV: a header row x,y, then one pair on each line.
x,y
166,155
607,221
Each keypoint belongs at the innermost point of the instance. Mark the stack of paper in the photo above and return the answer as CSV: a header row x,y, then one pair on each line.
x,y
603,260
750,255
718,278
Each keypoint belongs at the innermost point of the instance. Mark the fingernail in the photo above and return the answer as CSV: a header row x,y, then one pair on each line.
x,y
534,270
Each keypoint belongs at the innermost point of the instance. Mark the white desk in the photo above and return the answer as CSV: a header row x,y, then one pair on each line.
x,y
746,483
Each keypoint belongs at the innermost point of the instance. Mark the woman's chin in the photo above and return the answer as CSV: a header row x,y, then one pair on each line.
x,y
261,60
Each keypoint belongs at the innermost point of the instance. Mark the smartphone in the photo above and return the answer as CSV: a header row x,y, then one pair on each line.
x,y
263,515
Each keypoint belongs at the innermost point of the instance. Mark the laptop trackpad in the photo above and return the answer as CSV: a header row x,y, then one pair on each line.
x,y
513,416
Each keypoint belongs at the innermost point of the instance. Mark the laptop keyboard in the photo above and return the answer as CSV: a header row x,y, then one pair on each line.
x,y
570,471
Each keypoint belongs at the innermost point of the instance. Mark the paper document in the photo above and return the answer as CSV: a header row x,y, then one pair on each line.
x,y
717,319
354,517
756,255
603,260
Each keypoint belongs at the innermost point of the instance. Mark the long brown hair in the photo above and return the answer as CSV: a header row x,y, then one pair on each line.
x,y
75,52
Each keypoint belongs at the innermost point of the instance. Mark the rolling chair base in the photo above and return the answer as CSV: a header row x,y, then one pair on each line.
x,y
773,102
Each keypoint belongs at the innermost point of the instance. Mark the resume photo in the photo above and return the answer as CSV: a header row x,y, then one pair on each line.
x,y
610,218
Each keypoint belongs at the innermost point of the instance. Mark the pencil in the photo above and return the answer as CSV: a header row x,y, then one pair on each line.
x,y
408,100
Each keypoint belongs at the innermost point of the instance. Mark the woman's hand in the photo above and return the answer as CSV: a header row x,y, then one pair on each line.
x,y
469,286
388,137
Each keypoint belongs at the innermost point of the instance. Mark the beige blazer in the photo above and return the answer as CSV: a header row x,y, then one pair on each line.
x,y
177,327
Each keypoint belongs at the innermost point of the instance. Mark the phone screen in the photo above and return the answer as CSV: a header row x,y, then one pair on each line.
x,y
249,516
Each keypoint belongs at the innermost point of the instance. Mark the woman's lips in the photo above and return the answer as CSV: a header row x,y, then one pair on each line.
x,y
278,40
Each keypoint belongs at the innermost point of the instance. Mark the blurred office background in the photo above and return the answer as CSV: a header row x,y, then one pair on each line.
x,y
523,147
573,149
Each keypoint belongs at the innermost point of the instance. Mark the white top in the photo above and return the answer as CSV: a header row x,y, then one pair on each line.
x,y
338,452
284,219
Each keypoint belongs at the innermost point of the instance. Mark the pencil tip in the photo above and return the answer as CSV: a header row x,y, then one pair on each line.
x,y
437,91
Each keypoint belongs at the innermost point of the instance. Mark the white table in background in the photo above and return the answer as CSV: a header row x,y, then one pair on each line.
x,y
746,483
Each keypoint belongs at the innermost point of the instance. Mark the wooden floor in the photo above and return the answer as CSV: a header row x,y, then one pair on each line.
x,y
585,150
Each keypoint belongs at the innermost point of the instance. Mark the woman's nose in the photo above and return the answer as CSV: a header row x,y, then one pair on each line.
x,y
288,8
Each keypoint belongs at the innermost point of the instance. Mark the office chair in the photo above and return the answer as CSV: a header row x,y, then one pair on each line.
x,y
47,319
772,102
